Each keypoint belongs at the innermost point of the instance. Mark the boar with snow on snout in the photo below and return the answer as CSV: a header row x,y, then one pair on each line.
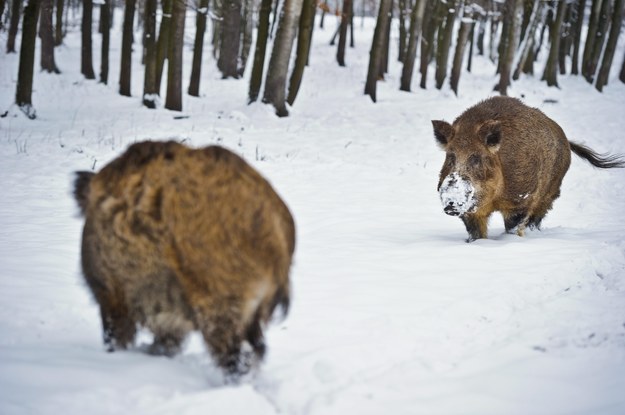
x,y
502,155
179,239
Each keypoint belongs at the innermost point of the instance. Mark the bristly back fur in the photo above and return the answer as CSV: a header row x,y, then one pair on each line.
x,y
602,161
81,188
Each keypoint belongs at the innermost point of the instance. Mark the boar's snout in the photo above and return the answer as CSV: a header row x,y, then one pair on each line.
x,y
457,195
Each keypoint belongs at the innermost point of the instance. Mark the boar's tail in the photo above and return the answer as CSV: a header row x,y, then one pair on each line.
x,y
603,161
281,302
81,188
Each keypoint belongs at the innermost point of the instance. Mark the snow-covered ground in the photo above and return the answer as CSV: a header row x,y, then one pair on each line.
x,y
392,311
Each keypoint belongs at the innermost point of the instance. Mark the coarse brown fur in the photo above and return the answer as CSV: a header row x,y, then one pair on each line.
x,y
515,157
179,239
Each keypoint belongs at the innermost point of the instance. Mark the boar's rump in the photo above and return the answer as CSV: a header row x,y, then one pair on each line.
x,y
178,239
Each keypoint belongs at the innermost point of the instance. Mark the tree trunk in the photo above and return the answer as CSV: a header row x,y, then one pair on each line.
x,y
275,84
376,53
198,48
173,101
593,23
602,29
577,28
515,10
304,37
247,36
150,94
105,17
463,36
259,53
345,19
217,23
58,27
528,41
387,44
46,33
551,68
16,9
162,45
403,12
86,49
230,39
126,57
444,42
564,49
416,24
23,95
433,17
608,54
494,27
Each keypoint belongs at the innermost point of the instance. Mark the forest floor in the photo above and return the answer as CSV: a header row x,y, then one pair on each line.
x,y
392,312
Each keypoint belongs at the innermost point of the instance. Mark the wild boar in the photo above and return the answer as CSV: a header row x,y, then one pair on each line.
x,y
179,239
502,155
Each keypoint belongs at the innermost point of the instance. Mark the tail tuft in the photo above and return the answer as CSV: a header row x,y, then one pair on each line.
x,y
81,188
602,161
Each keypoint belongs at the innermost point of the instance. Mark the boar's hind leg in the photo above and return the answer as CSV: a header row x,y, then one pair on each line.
x,y
226,335
476,226
118,329
516,222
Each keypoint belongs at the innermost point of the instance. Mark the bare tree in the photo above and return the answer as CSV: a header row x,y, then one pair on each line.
x,y
416,23
23,95
578,23
46,34
466,24
162,46
127,39
594,38
230,38
262,35
444,42
275,84
173,100
58,27
306,25
247,29
149,80
16,10
510,39
375,55
86,48
551,68
527,45
105,20
608,54
198,48
346,16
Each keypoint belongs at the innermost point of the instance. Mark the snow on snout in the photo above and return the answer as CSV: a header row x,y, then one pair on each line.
x,y
457,195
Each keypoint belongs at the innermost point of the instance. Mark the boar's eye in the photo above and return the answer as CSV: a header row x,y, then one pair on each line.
x,y
475,160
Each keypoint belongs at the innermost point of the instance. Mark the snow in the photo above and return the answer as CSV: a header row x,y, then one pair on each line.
x,y
392,312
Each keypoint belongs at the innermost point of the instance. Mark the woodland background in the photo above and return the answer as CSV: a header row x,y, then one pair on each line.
x,y
579,38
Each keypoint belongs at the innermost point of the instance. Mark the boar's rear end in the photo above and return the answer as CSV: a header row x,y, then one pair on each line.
x,y
179,239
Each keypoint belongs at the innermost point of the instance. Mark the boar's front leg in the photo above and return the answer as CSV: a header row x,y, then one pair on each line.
x,y
476,226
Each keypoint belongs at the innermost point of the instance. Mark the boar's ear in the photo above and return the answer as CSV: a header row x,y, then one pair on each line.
x,y
442,132
491,133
